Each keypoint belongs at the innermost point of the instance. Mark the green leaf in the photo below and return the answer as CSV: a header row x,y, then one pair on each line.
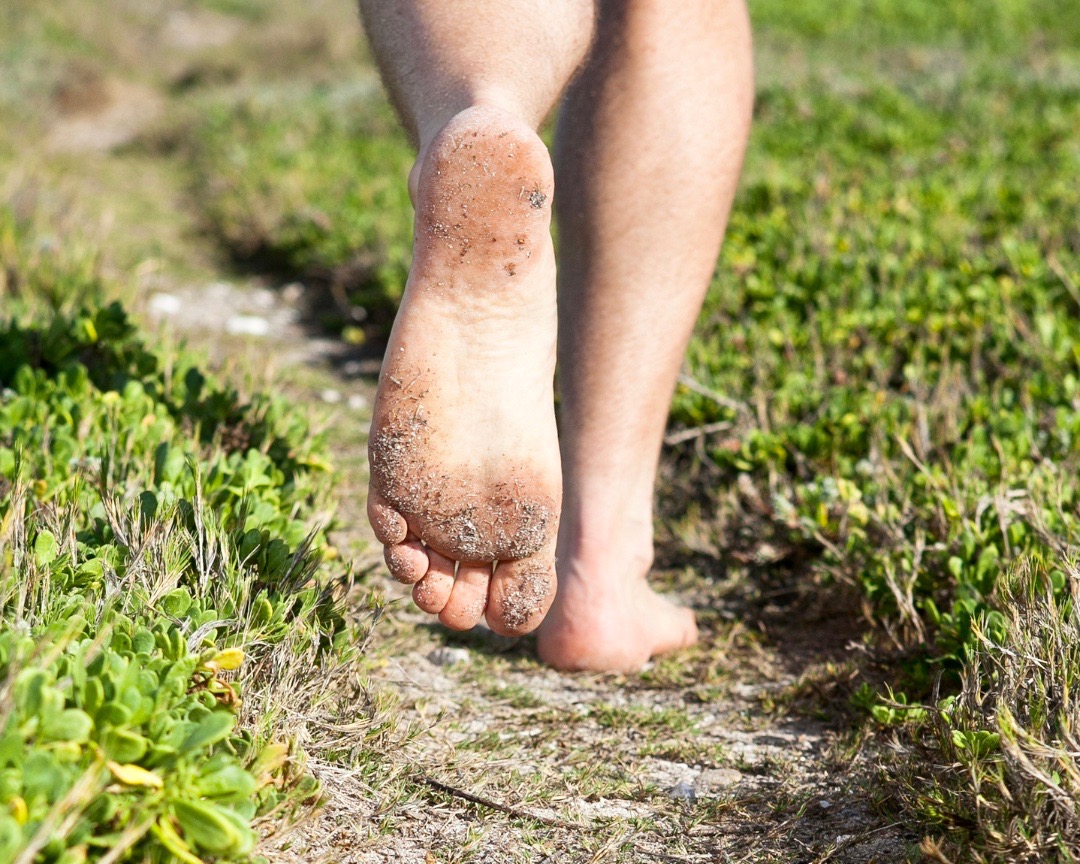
x,y
231,781
173,842
42,775
176,603
112,714
208,827
211,729
45,548
123,745
11,839
71,725
30,688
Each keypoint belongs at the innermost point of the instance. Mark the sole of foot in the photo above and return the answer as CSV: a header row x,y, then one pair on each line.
x,y
465,478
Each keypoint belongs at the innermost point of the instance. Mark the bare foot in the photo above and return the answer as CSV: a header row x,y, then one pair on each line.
x,y
606,618
465,477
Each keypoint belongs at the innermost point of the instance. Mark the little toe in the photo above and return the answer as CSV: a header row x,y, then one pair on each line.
x,y
521,594
389,525
468,599
408,561
433,591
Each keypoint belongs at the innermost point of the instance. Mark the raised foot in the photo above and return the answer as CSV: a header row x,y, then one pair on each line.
x,y
617,630
465,479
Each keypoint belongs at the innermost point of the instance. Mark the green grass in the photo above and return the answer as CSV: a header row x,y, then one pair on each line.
x,y
998,26
313,185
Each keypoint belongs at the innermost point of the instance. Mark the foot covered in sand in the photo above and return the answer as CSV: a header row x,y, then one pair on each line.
x,y
465,478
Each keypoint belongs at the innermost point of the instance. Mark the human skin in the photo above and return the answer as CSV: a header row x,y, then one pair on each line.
x,y
470,493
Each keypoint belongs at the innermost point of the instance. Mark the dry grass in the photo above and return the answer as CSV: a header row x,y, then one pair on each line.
x,y
996,768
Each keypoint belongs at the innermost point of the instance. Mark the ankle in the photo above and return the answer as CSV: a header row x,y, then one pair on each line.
x,y
605,553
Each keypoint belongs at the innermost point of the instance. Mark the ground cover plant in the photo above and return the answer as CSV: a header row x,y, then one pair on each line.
x,y
997,760
160,538
894,340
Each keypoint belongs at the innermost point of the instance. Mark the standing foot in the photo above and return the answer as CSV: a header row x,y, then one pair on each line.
x,y
606,618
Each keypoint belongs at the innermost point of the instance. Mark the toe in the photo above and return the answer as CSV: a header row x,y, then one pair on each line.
x,y
408,561
389,525
689,628
676,626
521,594
468,599
433,591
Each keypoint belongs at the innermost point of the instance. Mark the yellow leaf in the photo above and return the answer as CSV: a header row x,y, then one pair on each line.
x,y
18,809
230,658
133,775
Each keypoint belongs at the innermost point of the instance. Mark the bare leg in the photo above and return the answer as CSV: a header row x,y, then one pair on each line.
x,y
650,145
466,488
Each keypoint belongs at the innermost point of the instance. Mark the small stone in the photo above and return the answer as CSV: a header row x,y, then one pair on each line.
x,y
263,298
247,325
713,779
682,792
357,402
292,292
330,396
162,304
446,655
824,803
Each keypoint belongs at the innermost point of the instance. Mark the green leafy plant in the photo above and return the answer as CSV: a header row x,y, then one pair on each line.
x,y
892,344
158,537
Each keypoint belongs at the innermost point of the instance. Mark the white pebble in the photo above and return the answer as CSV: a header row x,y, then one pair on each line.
x,y
331,396
446,655
292,292
682,792
164,304
247,325
357,402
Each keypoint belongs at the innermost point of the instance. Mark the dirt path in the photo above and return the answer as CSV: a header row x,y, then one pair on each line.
x,y
463,748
